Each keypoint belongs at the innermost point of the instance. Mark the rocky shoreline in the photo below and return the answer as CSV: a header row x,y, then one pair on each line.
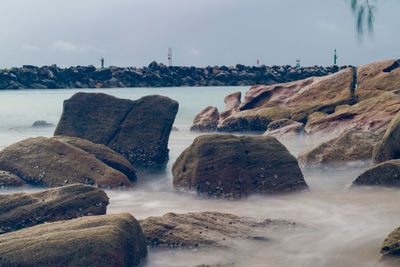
x,y
154,75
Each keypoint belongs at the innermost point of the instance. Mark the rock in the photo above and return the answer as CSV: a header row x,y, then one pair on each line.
x,y
390,251
50,162
389,147
205,230
232,103
294,100
21,210
216,265
232,166
103,153
139,130
206,120
284,127
372,114
8,179
386,174
375,78
106,240
350,146
42,123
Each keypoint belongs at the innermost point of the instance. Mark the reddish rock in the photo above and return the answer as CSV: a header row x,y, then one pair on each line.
x,y
206,120
232,103
8,179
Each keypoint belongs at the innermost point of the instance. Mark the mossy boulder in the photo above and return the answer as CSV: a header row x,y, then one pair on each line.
x,y
350,146
8,179
390,251
235,166
51,162
386,174
103,153
105,240
205,230
389,147
21,210
139,130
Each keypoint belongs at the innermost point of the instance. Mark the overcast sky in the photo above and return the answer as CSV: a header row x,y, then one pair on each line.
x,y
200,32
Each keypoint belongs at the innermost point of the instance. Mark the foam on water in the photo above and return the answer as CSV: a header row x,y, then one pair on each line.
x,y
337,225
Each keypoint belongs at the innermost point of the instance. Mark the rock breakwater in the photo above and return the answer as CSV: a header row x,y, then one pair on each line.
x,y
154,75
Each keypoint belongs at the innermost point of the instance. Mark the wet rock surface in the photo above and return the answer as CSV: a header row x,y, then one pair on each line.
x,y
206,230
105,240
154,75
389,147
138,130
50,162
350,146
390,251
8,179
232,166
21,210
384,174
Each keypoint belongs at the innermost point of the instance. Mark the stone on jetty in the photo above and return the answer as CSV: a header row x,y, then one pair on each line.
x,y
232,166
389,147
139,130
105,240
205,230
385,174
21,210
50,162
350,146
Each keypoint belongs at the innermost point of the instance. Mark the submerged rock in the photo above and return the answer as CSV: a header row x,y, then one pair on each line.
x,y
390,251
21,210
139,130
389,147
350,146
41,123
205,229
106,240
386,174
232,166
51,162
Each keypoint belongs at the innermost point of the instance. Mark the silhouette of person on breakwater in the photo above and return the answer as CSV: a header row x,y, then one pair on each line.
x,y
102,62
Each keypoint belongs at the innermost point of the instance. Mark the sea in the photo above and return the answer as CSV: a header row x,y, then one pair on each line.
x,y
337,225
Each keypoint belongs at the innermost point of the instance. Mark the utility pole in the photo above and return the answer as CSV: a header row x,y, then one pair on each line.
x,y
170,56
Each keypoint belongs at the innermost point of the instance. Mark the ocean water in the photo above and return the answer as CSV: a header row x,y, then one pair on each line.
x,y
337,225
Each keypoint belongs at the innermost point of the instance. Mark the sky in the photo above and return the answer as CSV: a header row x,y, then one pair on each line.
x,y
200,32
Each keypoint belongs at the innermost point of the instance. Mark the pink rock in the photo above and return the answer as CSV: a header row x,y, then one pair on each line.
x,y
207,120
232,103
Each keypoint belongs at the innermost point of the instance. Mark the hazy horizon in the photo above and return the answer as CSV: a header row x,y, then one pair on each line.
x,y
201,33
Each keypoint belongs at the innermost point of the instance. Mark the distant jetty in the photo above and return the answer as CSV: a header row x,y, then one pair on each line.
x,y
154,75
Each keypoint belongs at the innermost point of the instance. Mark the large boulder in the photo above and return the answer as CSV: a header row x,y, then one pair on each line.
x,y
205,229
375,78
50,162
294,100
103,153
105,240
139,130
372,114
350,146
386,174
390,251
207,120
235,166
389,147
21,210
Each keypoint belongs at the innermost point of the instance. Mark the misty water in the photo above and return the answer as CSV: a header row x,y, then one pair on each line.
x,y
336,225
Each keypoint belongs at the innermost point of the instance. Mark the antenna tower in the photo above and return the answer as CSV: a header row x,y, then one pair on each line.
x,y
170,56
